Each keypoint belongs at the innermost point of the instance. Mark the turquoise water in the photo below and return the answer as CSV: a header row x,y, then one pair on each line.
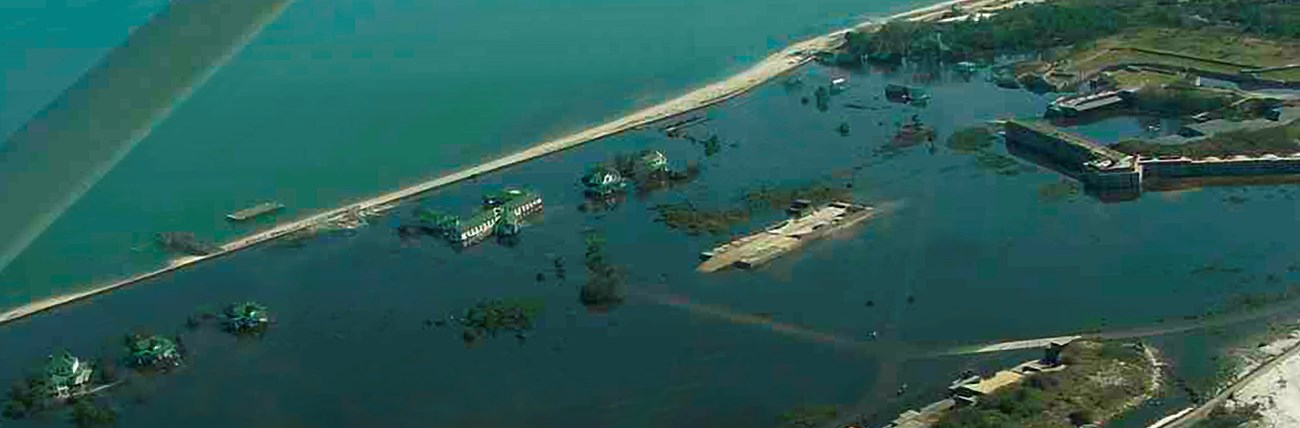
x,y
342,99
960,255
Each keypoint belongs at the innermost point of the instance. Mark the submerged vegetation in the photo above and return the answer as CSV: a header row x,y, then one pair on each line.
x,y
92,413
776,198
184,243
493,316
604,288
1059,191
998,163
695,220
1101,380
972,139
809,416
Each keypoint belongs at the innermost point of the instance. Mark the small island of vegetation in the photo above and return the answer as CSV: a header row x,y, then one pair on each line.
x,y
1100,381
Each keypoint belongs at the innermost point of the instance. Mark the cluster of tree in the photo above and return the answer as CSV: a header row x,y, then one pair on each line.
x,y
489,317
1038,26
604,288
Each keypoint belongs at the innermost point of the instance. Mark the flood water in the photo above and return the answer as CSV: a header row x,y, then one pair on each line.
x,y
338,100
962,253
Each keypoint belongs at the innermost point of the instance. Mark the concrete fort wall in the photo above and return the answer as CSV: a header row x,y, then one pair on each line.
x,y
1230,167
1056,145
1130,178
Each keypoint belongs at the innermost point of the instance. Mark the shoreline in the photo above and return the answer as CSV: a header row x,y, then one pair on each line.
x,y
779,63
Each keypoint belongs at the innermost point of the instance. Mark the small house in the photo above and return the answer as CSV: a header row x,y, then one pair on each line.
x,y
66,375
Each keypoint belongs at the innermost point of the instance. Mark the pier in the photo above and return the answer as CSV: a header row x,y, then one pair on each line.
x,y
784,237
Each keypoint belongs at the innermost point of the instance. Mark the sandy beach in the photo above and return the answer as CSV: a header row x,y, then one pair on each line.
x,y
781,62
1276,392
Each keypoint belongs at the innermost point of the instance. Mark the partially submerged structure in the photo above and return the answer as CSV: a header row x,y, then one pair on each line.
x,y
1107,171
806,223
1081,104
501,214
246,317
154,352
603,180
905,94
66,376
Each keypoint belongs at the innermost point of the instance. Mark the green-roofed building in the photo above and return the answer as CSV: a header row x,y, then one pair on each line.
x,y
66,375
246,317
603,180
514,203
152,352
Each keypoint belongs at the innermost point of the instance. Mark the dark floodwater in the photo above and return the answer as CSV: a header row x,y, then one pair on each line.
x,y
962,255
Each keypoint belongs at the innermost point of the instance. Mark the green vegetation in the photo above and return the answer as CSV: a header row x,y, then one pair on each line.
x,y
978,141
1059,191
997,163
26,398
604,288
1278,140
1181,101
971,140
492,316
91,413
184,243
775,198
1101,380
809,416
694,220
1215,35
1234,417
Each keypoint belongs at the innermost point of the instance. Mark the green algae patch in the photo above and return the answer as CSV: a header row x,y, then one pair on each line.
x,y
696,220
1060,191
971,140
775,198
493,316
605,287
997,163
809,416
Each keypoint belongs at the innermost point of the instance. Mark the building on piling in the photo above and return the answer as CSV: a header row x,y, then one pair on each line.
x,y
501,212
